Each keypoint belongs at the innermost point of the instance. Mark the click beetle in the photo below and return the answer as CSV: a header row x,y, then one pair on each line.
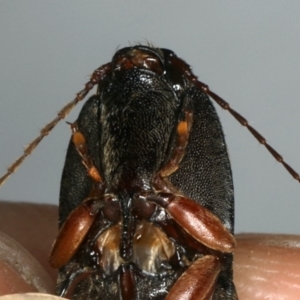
x,y
146,202
141,215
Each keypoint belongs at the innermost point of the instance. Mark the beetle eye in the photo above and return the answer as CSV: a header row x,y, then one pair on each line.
x,y
138,58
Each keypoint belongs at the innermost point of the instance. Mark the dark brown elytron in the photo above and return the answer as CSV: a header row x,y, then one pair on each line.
x,y
146,201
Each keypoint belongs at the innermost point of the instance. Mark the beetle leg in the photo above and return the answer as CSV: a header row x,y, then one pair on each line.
x,y
181,67
81,219
198,279
72,233
127,282
80,144
183,131
196,220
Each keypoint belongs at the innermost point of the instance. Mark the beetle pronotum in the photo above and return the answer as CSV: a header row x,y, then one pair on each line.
x,y
147,165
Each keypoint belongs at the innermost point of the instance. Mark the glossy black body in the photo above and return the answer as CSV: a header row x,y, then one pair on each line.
x,y
130,128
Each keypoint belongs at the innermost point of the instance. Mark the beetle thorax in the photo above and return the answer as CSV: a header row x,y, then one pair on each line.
x,y
137,128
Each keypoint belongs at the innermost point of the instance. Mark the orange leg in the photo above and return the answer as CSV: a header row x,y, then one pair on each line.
x,y
183,132
80,143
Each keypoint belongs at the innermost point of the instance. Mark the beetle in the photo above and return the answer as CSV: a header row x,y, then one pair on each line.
x,y
124,188
146,201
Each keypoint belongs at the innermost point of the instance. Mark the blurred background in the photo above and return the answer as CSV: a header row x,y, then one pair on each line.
x,y
247,52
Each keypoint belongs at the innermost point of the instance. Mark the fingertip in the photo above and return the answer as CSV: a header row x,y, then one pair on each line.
x,y
20,272
267,266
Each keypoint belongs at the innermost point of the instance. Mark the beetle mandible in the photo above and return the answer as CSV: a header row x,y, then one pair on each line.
x,y
146,201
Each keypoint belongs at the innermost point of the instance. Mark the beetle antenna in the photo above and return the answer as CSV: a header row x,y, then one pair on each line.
x,y
185,69
225,105
97,76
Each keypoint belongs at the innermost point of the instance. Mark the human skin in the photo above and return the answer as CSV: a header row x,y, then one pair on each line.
x,y
265,266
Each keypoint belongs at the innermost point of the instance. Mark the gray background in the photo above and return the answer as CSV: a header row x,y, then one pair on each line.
x,y
247,51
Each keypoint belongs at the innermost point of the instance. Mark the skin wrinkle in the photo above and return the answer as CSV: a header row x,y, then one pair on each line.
x,y
272,267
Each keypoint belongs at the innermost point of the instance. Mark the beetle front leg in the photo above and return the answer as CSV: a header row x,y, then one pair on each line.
x,y
183,131
198,279
194,218
79,141
81,219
